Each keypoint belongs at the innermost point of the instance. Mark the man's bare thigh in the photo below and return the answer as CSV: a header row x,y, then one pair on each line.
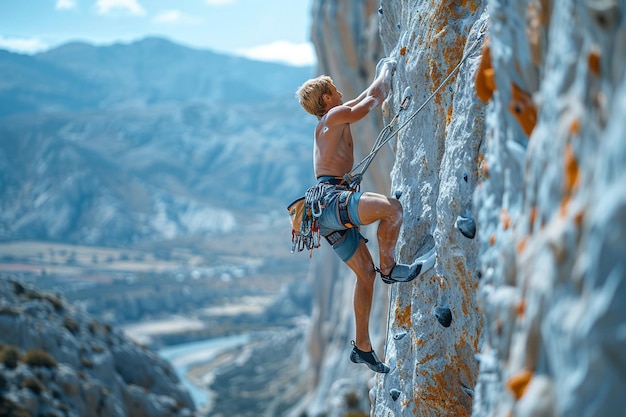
x,y
373,207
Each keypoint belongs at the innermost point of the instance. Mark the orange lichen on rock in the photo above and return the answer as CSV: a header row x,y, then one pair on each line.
x,y
485,76
403,317
521,245
492,240
533,217
572,171
449,116
520,308
518,383
505,218
438,397
523,108
571,176
579,217
574,127
484,169
403,51
594,61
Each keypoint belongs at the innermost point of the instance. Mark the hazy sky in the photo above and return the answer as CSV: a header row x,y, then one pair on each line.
x,y
275,30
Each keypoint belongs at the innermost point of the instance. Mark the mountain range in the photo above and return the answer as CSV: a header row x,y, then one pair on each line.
x,y
113,145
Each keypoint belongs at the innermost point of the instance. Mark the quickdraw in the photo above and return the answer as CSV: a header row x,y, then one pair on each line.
x,y
355,176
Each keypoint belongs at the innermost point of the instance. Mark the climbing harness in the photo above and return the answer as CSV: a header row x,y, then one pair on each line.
x,y
304,214
355,176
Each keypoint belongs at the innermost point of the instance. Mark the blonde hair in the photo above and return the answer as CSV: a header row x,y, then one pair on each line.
x,y
311,92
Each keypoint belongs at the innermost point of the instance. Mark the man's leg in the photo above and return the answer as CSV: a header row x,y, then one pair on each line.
x,y
363,266
374,207
362,352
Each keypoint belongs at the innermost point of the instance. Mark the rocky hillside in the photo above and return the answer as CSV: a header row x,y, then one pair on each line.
x,y
148,141
79,76
57,361
515,167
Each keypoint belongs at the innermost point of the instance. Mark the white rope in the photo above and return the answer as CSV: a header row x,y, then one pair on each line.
x,y
381,140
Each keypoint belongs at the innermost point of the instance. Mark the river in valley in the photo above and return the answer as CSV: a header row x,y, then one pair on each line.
x,y
187,355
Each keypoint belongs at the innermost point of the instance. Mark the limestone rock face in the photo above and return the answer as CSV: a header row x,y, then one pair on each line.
x,y
515,171
437,150
552,209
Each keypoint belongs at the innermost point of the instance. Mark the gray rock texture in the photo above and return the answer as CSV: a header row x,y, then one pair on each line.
x,y
436,170
74,365
516,170
552,207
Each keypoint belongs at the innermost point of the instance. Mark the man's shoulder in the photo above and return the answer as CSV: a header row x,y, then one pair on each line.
x,y
336,116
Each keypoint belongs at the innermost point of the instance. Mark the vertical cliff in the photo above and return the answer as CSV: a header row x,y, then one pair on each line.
x,y
515,170
552,210
434,327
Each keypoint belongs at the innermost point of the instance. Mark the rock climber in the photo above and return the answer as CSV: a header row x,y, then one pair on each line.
x,y
345,209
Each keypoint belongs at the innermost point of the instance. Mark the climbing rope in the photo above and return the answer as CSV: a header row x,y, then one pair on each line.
x,y
354,178
387,133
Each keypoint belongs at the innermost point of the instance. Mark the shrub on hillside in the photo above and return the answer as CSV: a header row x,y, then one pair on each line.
x,y
9,409
72,325
9,311
38,357
53,299
352,399
34,384
9,356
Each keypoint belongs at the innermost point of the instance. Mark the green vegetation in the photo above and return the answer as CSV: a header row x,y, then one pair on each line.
x,y
72,325
9,409
92,327
97,348
53,299
352,399
9,311
9,356
18,288
38,357
34,384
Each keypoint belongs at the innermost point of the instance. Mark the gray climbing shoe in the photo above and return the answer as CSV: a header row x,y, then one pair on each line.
x,y
369,358
407,273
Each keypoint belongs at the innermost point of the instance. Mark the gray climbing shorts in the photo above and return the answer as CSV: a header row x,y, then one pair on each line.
x,y
344,240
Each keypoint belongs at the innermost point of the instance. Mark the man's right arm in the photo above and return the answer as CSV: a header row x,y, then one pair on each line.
x,y
350,114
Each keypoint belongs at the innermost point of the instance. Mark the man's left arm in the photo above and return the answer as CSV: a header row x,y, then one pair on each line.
x,y
379,88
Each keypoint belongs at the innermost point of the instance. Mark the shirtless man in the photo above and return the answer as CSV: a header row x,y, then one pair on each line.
x,y
345,209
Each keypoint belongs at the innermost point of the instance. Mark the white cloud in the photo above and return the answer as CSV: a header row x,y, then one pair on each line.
x,y
130,6
298,54
22,45
65,4
220,2
176,17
